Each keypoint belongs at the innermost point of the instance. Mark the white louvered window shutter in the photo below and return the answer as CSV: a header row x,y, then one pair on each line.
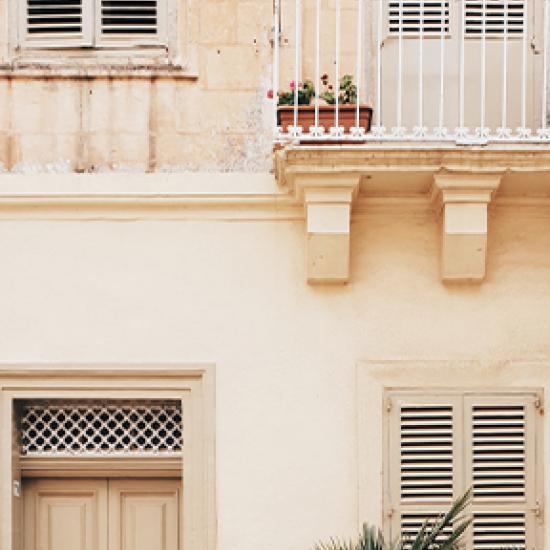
x,y
90,23
422,459
130,22
440,445
56,23
501,465
496,16
414,16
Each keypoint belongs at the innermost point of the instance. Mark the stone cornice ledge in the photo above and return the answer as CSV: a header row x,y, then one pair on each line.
x,y
407,171
138,195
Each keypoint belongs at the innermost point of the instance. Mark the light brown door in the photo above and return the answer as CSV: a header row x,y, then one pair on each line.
x,y
96,514
143,516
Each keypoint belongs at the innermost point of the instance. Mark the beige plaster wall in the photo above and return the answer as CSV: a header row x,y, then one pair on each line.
x,y
234,293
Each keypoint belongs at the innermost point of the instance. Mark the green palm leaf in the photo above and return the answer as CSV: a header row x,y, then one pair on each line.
x,y
443,532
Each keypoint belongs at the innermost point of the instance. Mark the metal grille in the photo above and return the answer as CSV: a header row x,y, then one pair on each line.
x,y
101,428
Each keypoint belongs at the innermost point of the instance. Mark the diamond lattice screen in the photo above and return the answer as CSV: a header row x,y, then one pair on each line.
x,y
101,428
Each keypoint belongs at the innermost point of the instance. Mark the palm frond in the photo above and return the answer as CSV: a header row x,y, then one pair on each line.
x,y
334,544
371,538
443,532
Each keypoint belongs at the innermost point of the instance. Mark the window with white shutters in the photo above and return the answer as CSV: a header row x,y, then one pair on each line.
x,y
93,23
494,17
442,444
415,16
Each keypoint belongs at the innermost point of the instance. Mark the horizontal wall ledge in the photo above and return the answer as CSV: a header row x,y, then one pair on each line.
x,y
407,171
90,70
193,196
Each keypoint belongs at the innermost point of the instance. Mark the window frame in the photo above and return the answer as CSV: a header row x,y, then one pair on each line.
x,y
461,401
171,17
376,378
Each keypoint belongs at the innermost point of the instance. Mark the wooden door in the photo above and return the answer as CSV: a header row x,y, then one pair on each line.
x,y
65,514
143,514
100,514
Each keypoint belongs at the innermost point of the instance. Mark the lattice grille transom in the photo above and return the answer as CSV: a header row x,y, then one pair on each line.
x,y
101,428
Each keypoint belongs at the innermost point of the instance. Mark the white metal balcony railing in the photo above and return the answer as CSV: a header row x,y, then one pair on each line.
x,y
460,71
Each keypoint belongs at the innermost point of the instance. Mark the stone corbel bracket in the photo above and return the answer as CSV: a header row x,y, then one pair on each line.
x,y
328,202
463,199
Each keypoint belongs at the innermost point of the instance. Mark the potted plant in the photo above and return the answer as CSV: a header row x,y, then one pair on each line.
x,y
305,93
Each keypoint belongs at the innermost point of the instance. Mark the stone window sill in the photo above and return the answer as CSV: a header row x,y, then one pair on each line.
x,y
81,69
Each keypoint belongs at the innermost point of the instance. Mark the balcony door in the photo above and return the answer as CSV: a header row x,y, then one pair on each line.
x,y
482,17
101,514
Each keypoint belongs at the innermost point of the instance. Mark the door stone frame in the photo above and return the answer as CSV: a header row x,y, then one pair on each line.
x,y
193,384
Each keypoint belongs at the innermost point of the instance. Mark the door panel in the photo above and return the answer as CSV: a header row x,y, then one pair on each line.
x,y
65,514
85,514
143,514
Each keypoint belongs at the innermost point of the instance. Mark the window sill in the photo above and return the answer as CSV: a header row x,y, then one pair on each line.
x,y
42,69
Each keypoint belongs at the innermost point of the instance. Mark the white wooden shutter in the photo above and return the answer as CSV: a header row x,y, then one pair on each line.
x,y
430,16
498,15
422,459
130,22
57,23
501,465
440,445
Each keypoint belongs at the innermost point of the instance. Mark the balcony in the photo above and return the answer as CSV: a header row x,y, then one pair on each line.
x,y
462,72
458,92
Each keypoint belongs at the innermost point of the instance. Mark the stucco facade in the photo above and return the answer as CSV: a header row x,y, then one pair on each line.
x,y
146,220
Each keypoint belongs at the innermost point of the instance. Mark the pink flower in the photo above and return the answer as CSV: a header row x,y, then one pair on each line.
x,y
292,84
270,94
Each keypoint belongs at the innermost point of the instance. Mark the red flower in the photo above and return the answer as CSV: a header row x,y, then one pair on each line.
x,y
270,94
330,87
324,77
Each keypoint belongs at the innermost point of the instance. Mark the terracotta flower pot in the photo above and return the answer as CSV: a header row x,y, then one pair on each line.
x,y
306,116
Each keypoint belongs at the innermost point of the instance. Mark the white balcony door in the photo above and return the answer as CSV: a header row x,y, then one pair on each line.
x,y
473,48
100,514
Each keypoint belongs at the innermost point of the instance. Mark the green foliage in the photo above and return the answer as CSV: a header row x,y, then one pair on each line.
x,y
432,535
347,91
443,532
305,91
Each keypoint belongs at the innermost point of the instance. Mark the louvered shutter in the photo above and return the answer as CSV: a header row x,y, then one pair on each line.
x,y
430,16
56,23
422,458
439,445
130,22
497,16
501,465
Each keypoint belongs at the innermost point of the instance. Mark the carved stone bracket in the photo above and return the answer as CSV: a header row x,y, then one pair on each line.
x,y
328,203
463,200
